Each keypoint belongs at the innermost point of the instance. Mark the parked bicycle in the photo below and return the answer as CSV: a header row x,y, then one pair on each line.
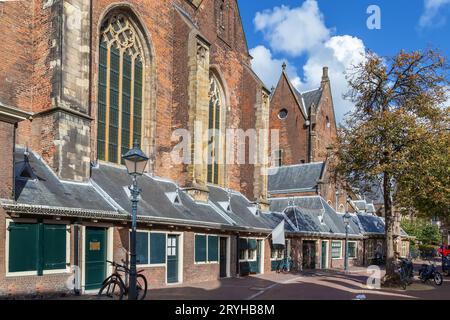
x,y
115,287
406,272
428,272
286,265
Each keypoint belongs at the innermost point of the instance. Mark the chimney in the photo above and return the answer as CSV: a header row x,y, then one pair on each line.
x,y
325,77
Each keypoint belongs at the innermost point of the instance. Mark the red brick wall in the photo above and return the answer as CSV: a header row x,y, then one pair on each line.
x,y
293,132
325,135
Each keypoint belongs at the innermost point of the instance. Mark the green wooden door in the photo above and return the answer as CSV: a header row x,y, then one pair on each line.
x,y
324,254
95,257
172,259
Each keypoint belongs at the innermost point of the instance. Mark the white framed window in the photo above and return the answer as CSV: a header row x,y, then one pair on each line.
x,y
336,249
248,249
206,248
151,248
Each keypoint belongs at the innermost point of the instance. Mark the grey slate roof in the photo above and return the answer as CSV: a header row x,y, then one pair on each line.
x,y
312,214
154,202
240,212
45,189
106,193
301,177
369,223
310,97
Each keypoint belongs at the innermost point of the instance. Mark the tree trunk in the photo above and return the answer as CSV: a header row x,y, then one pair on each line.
x,y
391,276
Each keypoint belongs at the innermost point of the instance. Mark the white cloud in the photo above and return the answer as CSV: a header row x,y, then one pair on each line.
x,y
431,15
268,68
338,53
293,31
299,31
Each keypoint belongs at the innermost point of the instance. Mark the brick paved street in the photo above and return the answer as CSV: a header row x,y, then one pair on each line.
x,y
318,285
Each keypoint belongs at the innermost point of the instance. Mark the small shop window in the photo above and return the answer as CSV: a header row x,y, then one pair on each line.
x,y
336,249
352,252
36,247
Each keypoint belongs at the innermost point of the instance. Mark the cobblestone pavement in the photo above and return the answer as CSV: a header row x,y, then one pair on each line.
x,y
314,285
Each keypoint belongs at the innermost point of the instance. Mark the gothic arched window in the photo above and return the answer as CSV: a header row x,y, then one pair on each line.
x,y
215,149
120,88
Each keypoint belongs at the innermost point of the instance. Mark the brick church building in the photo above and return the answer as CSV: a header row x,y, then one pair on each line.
x,y
81,81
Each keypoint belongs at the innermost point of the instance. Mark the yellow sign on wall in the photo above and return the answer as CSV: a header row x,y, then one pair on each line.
x,y
94,246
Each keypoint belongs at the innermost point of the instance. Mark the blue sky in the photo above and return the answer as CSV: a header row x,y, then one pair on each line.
x,y
309,34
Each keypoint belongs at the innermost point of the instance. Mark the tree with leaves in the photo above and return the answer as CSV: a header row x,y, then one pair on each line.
x,y
389,138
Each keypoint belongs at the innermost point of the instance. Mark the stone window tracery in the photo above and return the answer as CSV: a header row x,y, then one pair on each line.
x,y
120,88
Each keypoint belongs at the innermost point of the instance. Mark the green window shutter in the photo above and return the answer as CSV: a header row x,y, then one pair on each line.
x,y
101,119
23,247
200,248
157,248
137,113
243,244
126,104
213,248
252,244
54,246
114,104
352,249
142,247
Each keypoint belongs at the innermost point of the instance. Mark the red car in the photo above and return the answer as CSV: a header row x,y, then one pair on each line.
x,y
444,250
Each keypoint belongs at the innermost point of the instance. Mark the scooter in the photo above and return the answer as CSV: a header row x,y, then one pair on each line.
x,y
429,271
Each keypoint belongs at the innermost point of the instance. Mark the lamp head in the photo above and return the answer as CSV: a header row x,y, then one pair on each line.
x,y
135,160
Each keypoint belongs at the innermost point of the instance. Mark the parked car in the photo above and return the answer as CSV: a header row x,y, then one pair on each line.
x,y
444,250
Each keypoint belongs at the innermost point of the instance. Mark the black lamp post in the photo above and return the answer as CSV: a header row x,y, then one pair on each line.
x,y
346,218
135,161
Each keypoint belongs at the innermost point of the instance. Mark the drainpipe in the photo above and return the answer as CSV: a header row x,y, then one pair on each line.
x,y
77,258
13,191
238,271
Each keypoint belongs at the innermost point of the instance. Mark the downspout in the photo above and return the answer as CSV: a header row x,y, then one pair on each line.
x,y
13,191
77,259
90,80
238,271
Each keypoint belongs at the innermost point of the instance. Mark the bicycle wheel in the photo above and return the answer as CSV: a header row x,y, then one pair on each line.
x,y
438,278
141,287
112,289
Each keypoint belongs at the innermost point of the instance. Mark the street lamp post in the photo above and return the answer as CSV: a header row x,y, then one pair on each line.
x,y
346,218
135,161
